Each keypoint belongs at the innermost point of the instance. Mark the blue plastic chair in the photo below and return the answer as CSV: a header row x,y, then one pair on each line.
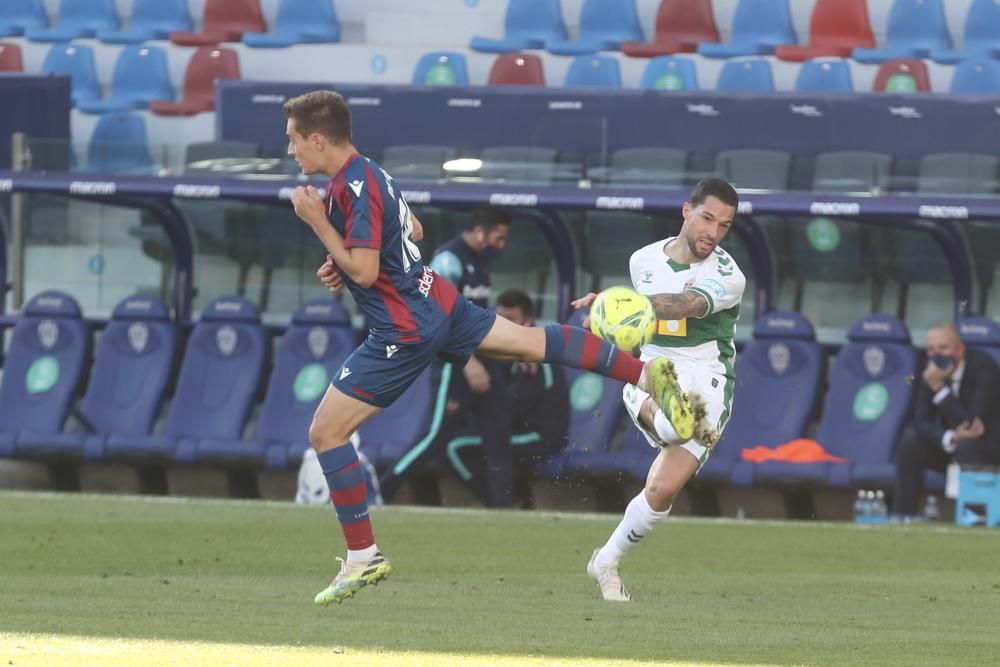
x,y
916,27
119,145
151,19
824,75
976,75
299,22
140,76
758,27
752,74
670,73
18,16
78,19
604,25
982,35
981,333
594,72
441,68
528,24
77,62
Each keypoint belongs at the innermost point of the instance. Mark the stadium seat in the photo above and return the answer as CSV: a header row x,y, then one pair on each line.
x,y
519,164
224,21
647,166
119,145
151,19
836,28
670,73
219,377
10,58
975,76
310,353
517,69
751,74
628,459
852,171
140,77
441,68
681,25
604,25
593,72
405,424
207,65
417,162
44,366
824,75
528,24
77,19
21,15
133,365
981,333
916,27
779,375
609,238
758,27
866,404
981,35
902,76
755,169
77,62
299,22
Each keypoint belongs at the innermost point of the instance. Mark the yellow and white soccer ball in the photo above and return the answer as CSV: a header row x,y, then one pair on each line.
x,y
622,316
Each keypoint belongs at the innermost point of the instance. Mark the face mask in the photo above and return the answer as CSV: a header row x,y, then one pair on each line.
x,y
489,253
942,361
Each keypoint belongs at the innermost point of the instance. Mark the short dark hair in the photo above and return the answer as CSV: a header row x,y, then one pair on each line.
x,y
714,187
515,298
488,217
322,111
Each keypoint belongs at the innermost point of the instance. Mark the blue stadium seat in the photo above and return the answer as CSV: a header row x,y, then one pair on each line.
x,y
670,73
441,68
745,75
824,75
17,16
151,19
594,72
976,75
758,27
77,62
220,373
406,423
604,25
132,366
140,76
982,35
528,24
779,375
916,27
868,399
981,333
630,460
119,145
78,19
43,368
299,22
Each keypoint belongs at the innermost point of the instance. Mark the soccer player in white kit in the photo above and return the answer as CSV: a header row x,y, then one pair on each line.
x,y
696,289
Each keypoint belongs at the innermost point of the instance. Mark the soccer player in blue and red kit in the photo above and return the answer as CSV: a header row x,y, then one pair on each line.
x,y
414,317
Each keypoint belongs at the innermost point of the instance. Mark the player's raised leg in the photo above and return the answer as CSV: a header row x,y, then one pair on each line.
x,y
336,418
576,347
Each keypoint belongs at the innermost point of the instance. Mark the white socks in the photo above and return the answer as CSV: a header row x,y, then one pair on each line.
x,y
361,554
639,521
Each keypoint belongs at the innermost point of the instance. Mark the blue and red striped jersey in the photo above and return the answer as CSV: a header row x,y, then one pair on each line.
x,y
365,206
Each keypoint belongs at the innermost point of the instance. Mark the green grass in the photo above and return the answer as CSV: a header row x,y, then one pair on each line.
x,y
211,577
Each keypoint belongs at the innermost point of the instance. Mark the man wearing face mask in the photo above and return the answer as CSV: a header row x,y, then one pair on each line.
x,y
479,389
955,416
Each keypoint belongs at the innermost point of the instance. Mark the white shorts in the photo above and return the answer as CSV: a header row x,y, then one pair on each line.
x,y
713,389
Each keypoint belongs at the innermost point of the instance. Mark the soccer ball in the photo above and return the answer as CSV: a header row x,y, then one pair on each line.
x,y
622,316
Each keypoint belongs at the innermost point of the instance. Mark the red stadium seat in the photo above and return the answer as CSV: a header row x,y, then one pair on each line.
x,y
836,28
517,69
225,21
10,58
680,26
207,66
904,75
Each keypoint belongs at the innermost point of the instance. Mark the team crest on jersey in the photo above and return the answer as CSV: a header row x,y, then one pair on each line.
x,y
318,340
48,333
874,360
225,340
646,277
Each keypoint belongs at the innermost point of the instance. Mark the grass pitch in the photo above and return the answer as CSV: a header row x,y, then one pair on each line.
x,y
90,580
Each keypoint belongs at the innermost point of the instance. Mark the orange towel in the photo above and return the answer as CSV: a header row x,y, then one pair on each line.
x,y
802,450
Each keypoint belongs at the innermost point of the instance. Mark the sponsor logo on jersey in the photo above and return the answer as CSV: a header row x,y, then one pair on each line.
x,y
425,282
187,191
714,286
6,184
92,188
948,212
621,203
834,208
357,187
513,199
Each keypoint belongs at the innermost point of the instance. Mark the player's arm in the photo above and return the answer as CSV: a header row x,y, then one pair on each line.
x,y
360,264
678,306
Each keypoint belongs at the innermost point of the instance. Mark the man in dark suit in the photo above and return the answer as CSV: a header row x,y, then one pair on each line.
x,y
957,416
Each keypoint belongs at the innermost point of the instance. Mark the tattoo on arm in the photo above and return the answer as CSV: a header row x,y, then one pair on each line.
x,y
678,306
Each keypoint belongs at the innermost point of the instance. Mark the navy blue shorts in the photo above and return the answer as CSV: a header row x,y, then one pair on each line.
x,y
378,372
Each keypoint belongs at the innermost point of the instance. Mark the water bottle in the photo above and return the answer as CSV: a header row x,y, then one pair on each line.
x,y
869,506
931,510
860,508
880,512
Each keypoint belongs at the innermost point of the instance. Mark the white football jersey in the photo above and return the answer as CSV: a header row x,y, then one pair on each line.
x,y
705,343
